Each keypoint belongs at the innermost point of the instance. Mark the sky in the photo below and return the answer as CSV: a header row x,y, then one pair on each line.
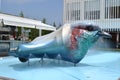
x,y
52,10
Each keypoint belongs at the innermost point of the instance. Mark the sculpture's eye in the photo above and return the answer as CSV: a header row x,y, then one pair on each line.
x,y
90,28
93,28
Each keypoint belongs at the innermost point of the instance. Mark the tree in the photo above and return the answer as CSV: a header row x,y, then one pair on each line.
x,y
60,25
34,33
54,24
21,14
44,20
44,32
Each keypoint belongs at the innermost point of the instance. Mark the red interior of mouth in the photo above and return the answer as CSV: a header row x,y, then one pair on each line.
x,y
77,31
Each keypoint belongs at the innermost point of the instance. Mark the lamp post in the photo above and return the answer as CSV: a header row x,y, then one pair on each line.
x,y
2,23
16,33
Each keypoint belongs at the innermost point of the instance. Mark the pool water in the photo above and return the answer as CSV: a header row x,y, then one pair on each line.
x,y
97,65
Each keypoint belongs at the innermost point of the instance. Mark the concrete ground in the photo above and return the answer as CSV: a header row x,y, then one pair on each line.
x,y
97,65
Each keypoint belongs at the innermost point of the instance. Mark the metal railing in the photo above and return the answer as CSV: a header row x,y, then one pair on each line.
x,y
6,45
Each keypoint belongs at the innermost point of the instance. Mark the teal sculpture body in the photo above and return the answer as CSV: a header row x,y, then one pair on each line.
x,y
71,42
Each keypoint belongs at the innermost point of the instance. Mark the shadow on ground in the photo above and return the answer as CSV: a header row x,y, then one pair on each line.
x,y
47,64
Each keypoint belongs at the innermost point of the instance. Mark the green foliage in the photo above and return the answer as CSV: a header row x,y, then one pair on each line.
x,y
44,20
44,32
19,31
54,24
21,14
60,25
33,34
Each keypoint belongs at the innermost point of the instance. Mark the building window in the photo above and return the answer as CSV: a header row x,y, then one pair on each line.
x,y
67,11
75,11
112,9
75,15
92,15
92,9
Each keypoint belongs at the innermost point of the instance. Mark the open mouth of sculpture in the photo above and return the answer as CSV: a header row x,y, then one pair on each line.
x,y
75,32
79,30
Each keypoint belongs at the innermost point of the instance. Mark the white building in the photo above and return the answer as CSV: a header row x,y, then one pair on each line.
x,y
105,13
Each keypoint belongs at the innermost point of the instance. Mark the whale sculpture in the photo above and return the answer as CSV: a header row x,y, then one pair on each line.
x,y
71,42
